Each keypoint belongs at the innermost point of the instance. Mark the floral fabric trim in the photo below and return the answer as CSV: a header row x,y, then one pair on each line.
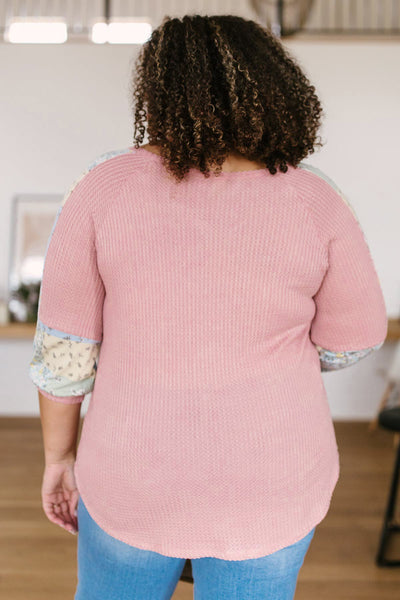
x,y
332,361
63,364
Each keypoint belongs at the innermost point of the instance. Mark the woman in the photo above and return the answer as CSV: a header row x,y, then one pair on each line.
x,y
197,286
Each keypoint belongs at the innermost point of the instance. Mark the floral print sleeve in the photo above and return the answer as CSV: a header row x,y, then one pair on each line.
x,y
332,361
350,306
69,329
63,366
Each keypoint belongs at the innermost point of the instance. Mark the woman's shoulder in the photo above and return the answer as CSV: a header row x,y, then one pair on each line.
x,y
101,174
321,193
318,174
109,157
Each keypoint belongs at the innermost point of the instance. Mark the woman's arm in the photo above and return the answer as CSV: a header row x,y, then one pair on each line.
x,y
67,343
350,307
60,427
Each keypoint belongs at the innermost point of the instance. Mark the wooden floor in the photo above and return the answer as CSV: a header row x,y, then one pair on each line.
x,y
38,558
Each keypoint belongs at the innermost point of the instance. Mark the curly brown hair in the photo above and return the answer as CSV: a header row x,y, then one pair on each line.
x,y
218,84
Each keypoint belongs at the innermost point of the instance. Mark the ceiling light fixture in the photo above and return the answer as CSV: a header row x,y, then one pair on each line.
x,y
36,30
120,30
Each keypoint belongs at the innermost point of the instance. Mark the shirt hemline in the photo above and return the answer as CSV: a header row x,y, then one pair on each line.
x,y
320,515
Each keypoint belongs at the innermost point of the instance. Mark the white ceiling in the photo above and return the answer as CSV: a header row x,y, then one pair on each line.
x,y
81,14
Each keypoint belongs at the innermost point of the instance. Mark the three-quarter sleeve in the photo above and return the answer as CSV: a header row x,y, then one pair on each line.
x,y
350,312
69,325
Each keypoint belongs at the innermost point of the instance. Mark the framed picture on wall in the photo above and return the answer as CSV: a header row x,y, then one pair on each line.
x,y
32,220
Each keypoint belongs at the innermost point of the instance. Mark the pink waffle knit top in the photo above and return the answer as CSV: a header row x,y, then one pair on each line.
x,y
192,313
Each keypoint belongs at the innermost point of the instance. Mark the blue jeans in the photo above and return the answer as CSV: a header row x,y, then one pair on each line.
x,y
109,569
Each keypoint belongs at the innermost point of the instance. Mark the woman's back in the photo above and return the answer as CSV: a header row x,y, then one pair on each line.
x,y
208,431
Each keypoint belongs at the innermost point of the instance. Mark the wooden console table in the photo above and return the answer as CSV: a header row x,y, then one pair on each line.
x,y
27,330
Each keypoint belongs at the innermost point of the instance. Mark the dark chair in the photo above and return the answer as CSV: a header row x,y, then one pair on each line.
x,y
186,574
389,418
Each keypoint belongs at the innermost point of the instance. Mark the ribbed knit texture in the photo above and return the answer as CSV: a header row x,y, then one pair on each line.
x,y
208,432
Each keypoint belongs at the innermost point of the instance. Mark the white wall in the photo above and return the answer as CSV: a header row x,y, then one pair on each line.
x,y
63,105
